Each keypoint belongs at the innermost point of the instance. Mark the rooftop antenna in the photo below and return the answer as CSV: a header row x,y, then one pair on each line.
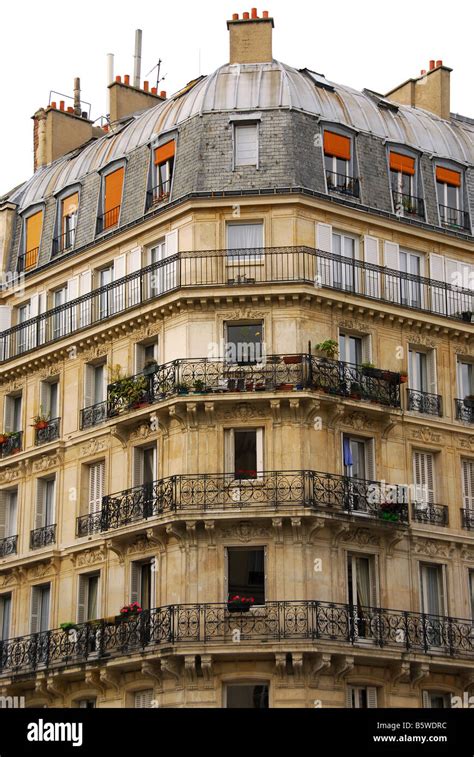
x,y
137,59
110,77
158,71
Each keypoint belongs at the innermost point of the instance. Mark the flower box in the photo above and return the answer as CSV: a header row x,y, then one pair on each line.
x,y
40,425
239,603
292,359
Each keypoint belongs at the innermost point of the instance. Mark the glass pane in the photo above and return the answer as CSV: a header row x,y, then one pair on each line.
x,y
247,697
244,236
98,384
148,466
92,598
247,574
453,197
244,343
355,350
245,454
44,609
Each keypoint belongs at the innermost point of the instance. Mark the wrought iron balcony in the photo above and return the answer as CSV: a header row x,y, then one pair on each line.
x,y
158,194
339,182
257,267
27,260
43,537
210,624
467,517
49,433
230,492
8,546
64,242
108,220
427,512
356,381
453,218
12,444
465,410
408,205
423,402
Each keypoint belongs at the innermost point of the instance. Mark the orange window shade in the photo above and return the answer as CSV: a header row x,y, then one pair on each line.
x,y
448,177
402,163
70,205
165,152
34,225
113,190
337,146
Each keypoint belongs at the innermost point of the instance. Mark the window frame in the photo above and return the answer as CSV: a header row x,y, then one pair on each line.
x,y
29,213
107,171
247,122
234,254
248,548
59,230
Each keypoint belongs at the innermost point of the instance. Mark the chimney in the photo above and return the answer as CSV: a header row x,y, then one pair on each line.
x,y
58,131
430,91
125,99
251,37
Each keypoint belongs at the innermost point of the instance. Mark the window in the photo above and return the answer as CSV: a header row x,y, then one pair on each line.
x,y
465,379
404,185
245,145
354,349
8,513
96,474
163,277
60,319
244,452
144,466
40,603
142,589
23,334
146,352
95,384
45,496
87,602
422,370
247,696
68,207
111,199
5,616
49,391
338,163
467,467
246,573
362,592
13,408
448,187
33,230
163,166
361,697
143,699
245,239
433,595
437,700
424,478
87,704
358,457
244,343
106,298
410,291
343,273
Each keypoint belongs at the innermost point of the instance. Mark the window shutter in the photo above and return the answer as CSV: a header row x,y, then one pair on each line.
x,y
85,287
431,366
229,451
113,191
437,273
3,514
373,577
40,513
89,376
118,291
260,461
447,176
12,509
337,145
171,243
143,699
35,609
96,486
165,152
246,145
468,484
5,317
324,243
371,697
366,349
9,407
349,697
5,612
137,466
426,700
72,293
392,261
45,395
34,225
370,458
82,599
424,476
402,163
372,278
135,569
134,264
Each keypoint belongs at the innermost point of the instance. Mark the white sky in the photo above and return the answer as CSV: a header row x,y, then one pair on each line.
x,y
363,43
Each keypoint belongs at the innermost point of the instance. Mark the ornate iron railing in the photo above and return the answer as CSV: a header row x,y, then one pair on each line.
x,y
423,402
453,218
467,517
465,410
108,220
12,444
48,434
308,621
27,260
278,265
158,194
408,205
64,242
43,537
355,381
8,546
230,492
339,182
427,512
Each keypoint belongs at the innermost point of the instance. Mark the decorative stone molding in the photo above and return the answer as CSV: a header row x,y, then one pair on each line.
x,y
466,551
295,411
46,462
141,332
296,528
112,545
12,473
245,531
415,337
335,415
358,421
426,435
275,409
316,525
236,315
364,327
363,537
56,686
319,666
210,414
51,370
94,446
88,557
342,666
94,681
277,525
191,533
466,442
433,548
95,353
420,671
243,411
43,569
119,433
111,679
152,669
207,668
400,672
210,531
172,668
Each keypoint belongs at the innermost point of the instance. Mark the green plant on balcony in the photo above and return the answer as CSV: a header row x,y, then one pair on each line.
x,y
150,367
182,388
369,369
69,626
198,386
129,392
389,511
239,603
41,421
328,349
130,611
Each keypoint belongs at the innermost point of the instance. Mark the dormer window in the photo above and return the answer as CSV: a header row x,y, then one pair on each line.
x,y
403,178
32,239
111,199
448,187
162,173
67,220
339,164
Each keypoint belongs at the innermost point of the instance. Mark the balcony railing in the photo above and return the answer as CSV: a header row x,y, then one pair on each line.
x,y
339,182
280,265
467,517
427,512
356,381
49,433
64,242
12,444
453,218
108,220
158,194
210,624
465,410
408,205
8,546
231,492
423,402
43,537
27,260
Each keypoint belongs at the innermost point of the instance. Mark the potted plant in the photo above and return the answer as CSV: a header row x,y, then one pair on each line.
x,y
329,349
198,386
133,610
260,386
182,388
292,359
69,626
239,603
466,315
389,511
355,391
469,401
369,369
4,437
41,421
151,367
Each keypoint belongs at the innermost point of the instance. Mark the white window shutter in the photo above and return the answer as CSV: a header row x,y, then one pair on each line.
x,y
89,375
34,306
120,267
134,264
5,317
143,699
366,349
45,394
423,464
371,697
118,291
246,144
85,287
82,599
96,486
135,569
431,366
392,260
468,484
3,514
8,419
171,243
373,577
370,458
426,700
40,512
259,444
35,609
437,273
372,278
12,512
137,466
349,697
324,243
229,449
72,293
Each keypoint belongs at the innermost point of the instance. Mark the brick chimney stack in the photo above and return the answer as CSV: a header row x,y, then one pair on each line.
x,y
251,38
430,91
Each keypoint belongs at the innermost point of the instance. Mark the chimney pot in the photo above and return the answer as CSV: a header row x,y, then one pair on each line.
x,y
432,65
265,14
118,79
61,105
423,71
154,91
126,79
254,13
246,16
163,94
53,105
439,63
70,109
146,86
235,17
